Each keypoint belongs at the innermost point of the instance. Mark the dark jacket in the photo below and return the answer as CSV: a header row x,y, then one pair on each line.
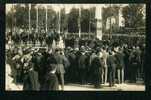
x,y
96,71
51,82
82,61
31,81
120,60
134,59
60,59
96,65
111,61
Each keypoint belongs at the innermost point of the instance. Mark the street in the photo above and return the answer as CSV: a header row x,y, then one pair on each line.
x,y
117,87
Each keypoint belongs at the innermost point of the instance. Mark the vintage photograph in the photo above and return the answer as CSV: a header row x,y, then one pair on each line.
x,y
75,47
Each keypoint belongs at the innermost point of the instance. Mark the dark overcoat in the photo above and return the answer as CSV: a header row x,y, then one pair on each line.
x,y
31,81
60,63
51,82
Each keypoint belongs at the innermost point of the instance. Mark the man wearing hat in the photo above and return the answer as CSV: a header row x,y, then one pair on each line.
x,y
120,65
96,69
60,67
111,63
82,66
31,79
50,80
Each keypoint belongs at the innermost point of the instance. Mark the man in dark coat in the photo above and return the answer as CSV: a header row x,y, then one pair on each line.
x,y
60,67
43,66
134,63
120,65
82,67
31,80
71,70
126,62
111,63
51,81
96,68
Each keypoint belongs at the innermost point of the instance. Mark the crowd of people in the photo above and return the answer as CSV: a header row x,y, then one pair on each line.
x,y
81,61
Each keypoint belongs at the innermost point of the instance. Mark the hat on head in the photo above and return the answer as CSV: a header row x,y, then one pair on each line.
x,y
82,49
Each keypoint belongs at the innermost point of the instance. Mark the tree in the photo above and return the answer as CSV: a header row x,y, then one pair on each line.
x,y
21,16
33,16
42,18
73,20
63,21
52,19
9,20
133,15
85,18
92,20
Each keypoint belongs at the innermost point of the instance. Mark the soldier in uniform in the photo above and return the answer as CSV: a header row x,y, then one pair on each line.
x,y
60,71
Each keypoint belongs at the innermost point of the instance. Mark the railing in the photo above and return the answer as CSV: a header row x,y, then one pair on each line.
x,y
131,34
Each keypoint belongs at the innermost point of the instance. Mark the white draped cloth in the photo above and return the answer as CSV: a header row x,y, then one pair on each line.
x,y
59,44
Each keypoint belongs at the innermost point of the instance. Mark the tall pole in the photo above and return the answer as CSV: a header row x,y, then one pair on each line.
x,y
37,20
46,18
79,22
12,17
29,20
110,23
59,20
89,22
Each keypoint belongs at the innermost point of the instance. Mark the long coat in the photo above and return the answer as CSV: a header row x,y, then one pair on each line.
x,y
96,67
51,82
111,62
61,61
82,61
31,81
120,60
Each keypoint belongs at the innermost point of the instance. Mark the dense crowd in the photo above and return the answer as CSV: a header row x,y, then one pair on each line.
x,y
82,61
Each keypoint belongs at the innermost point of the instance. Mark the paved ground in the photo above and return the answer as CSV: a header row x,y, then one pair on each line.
x,y
77,87
121,87
117,87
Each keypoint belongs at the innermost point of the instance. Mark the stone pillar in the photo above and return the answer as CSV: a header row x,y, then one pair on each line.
x,y
98,16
